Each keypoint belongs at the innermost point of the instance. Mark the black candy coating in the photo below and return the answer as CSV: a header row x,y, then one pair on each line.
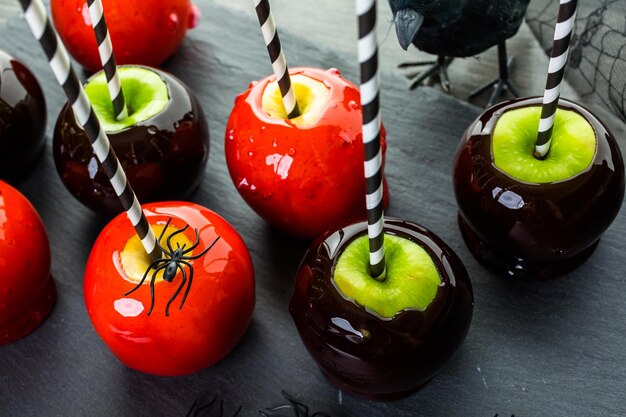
x,y
367,355
22,119
534,230
163,157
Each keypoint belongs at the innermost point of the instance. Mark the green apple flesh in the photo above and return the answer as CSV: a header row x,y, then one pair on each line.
x,y
145,92
572,149
311,95
411,282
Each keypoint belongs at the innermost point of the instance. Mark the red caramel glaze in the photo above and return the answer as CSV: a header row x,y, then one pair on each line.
x,y
27,291
359,351
303,180
534,230
216,312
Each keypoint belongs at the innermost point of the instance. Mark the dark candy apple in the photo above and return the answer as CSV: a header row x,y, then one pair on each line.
x,y
27,290
22,119
381,340
163,145
529,217
303,175
194,319
145,32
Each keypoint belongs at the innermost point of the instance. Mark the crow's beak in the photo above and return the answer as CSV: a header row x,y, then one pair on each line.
x,y
408,22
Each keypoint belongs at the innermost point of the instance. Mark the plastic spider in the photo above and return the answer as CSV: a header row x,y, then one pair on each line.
x,y
299,409
197,408
173,260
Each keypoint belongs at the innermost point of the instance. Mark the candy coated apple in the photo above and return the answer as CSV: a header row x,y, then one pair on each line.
x,y
303,175
533,218
195,334
22,119
27,290
163,144
142,32
381,340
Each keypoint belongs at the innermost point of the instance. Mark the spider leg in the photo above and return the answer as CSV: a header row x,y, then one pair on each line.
x,y
193,406
152,265
165,228
201,254
178,290
202,408
152,286
169,238
195,245
188,284
297,406
238,410
158,242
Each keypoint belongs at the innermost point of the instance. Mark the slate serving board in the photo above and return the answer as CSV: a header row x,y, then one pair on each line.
x,y
534,349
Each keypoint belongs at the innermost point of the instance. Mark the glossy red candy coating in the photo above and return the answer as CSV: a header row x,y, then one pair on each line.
x,y
303,180
145,32
214,316
27,291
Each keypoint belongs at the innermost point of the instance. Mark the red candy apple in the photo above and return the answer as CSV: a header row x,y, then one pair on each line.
x,y
302,175
143,32
27,290
176,332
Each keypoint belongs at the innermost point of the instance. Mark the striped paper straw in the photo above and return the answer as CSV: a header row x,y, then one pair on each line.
x,y
105,49
279,63
37,18
556,70
370,89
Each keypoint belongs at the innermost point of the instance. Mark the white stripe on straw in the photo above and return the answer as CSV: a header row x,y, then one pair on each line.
x,y
105,49
556,70
37,18
370,102
277,56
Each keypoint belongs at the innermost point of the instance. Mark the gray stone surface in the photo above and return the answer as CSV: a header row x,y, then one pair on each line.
x,y
534,349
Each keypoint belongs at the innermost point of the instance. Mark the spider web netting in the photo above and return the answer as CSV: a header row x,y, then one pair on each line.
x,y
597,62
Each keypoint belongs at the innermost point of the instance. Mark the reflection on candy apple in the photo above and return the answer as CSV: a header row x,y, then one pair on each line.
x,y
381,340
22,119
530,217
163,145
170,333
27,290
303,175
143,32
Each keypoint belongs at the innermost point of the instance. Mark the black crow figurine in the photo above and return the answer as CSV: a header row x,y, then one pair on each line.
x,y
459,28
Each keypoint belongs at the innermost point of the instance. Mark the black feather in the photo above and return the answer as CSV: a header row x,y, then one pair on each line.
x,y
462,28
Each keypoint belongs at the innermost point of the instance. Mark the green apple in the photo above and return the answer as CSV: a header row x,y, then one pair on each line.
x,y
145,92
411,281
572,149
163,144
312,97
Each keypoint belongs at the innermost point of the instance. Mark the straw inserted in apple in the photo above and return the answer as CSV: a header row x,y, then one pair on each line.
x,y
277,57
37,18
105,49
370,102
556,70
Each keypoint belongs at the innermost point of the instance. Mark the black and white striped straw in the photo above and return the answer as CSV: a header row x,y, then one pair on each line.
x,y
105,49
370,101
277,56
556,70
37,17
